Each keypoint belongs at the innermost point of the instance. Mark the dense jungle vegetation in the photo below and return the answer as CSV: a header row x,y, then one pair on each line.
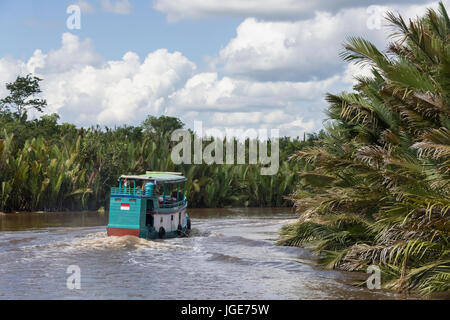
x,y
54,167
378,193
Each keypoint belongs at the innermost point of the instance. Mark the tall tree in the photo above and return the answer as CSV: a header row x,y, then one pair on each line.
x,y
162,125
22,97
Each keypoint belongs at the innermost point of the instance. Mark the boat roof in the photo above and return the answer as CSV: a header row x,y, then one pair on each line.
x,y
158,177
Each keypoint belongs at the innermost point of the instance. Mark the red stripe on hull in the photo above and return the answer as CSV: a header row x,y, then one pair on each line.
x,y
119,232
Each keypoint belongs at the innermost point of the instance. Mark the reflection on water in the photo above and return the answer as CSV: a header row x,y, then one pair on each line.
x,y
230,255
24,221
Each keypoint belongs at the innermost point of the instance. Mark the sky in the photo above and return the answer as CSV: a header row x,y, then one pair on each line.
x,y
240,64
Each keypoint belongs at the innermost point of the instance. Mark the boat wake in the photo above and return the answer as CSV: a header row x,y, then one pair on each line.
x,y
100,242
123,243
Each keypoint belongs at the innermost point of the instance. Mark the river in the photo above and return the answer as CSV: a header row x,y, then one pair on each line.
x,y
230,255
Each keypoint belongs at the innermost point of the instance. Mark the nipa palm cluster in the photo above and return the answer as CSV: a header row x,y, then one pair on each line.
x,y
379,193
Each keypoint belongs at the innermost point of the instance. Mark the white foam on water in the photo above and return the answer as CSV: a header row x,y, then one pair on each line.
x,y
100,241
125,242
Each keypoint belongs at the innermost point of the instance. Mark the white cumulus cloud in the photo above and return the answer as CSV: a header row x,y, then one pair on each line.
x,y
206,91
304,49
85,90
265,9
240,103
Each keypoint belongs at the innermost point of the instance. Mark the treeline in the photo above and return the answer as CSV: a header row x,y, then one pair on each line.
x,y
379,192
55,167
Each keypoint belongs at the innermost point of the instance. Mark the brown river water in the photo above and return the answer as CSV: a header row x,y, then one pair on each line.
x,y
231,254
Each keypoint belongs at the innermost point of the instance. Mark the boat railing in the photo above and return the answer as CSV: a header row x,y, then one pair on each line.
x,y
127,191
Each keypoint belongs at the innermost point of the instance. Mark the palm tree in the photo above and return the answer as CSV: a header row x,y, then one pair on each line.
x,y
379,192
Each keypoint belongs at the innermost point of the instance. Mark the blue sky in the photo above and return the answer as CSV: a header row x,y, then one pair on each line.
x,y
231,64
39,24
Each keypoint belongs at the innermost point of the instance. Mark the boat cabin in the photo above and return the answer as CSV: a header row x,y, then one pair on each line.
x,y
152,205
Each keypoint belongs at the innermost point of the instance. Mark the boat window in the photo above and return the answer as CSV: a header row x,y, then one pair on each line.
x,y
171,217
161,220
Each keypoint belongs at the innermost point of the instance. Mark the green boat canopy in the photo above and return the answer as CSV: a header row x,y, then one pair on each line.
x,y
158,177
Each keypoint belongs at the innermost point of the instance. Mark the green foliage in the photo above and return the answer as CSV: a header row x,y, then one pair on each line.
x,y
378,188
53,167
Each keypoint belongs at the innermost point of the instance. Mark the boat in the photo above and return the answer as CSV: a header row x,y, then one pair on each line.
x,y
150,206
